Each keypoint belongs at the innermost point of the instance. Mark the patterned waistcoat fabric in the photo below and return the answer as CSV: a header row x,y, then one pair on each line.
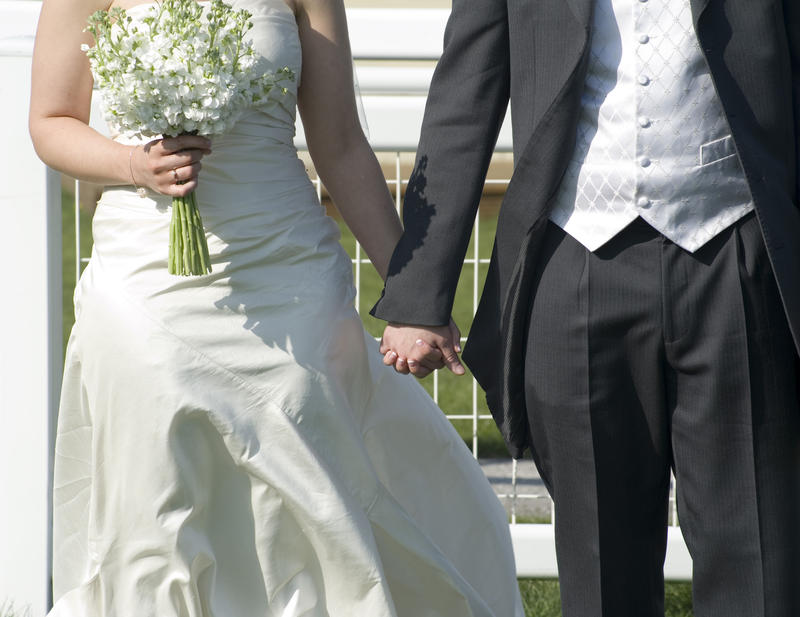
x,y
652,138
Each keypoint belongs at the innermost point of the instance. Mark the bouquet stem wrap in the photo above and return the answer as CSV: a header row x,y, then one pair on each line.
x,y
188,248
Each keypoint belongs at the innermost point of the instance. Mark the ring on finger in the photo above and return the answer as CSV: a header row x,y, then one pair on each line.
x,y
175,175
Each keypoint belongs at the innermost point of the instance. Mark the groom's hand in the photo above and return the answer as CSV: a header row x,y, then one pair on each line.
x,y
420,350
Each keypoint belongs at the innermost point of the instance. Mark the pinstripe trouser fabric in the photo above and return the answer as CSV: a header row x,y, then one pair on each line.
x,y
642,357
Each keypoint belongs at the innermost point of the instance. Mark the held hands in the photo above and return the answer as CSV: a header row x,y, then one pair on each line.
x,y
169,166
420,350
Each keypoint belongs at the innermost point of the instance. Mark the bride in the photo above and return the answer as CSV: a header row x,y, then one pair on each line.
x,y
232,445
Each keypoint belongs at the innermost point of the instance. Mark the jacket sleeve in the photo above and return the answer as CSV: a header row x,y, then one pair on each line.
x,y
466,105
791,10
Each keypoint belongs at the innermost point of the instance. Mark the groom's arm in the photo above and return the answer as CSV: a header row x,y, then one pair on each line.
x,y
466,104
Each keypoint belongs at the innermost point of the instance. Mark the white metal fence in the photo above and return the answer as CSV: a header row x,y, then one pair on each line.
x,y
395,51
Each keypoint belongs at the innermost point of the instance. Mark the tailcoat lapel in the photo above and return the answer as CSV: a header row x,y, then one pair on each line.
x,y
541,162
698,6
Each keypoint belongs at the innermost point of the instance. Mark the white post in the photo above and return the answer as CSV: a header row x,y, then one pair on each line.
x,y
30,327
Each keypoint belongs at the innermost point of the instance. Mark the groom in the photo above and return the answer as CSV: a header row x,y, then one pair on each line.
x,y
642,306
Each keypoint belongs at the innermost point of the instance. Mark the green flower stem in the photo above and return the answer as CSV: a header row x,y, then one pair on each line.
x,y
175,246
188,250
204,244
200,240
186,243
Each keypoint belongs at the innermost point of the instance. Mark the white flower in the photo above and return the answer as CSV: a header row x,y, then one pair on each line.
x,y
171,72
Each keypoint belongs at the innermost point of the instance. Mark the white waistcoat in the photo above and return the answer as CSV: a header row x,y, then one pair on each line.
x,y
652,138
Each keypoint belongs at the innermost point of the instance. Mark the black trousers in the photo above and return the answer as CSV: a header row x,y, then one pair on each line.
x,y
643,357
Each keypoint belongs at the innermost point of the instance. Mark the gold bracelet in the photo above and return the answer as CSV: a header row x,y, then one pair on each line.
x,y
140,190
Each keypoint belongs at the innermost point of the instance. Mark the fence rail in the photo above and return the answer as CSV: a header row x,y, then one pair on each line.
x,y
395,50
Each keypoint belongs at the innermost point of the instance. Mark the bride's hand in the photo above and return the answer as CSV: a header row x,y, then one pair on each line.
x,y
420,350
169,166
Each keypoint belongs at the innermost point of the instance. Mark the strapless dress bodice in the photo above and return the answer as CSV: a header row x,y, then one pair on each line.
x,y
261,144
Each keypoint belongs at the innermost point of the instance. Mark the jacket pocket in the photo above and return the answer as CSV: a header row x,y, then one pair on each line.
x,y
717,150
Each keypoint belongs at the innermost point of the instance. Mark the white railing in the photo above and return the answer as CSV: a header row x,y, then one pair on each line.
x,y
394,90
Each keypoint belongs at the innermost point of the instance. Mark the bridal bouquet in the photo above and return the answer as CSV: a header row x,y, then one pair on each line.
x,y
183,68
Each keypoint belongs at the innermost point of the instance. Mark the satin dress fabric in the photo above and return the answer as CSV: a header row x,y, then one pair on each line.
x,y
231,445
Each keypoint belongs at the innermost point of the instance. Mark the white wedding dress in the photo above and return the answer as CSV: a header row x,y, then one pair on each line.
x,y
231,445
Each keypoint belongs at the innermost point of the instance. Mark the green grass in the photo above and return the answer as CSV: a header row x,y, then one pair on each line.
x,y
678,600
541,598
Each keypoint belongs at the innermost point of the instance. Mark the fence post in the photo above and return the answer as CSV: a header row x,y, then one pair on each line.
x,y
30,328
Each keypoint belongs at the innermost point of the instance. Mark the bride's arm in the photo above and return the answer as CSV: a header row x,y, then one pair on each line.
x,y
61,94
341,154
